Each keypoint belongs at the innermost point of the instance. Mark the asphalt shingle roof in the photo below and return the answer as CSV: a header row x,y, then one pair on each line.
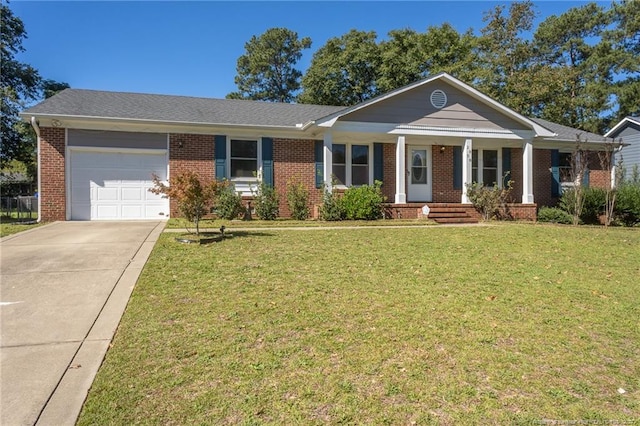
x,y
566,133
212,111
178,109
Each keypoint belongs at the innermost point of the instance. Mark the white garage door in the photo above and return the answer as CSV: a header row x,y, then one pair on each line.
x,y
115,185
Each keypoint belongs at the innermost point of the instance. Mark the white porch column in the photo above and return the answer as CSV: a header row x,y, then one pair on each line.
x,y
527,172
401,172
467,175
327,156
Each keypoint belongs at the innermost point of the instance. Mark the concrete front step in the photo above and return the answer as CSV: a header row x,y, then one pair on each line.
x,y
451,213
462,213
445,220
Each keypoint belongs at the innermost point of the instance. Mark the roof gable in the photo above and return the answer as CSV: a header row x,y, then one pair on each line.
x,y
414,107
467,108
624,124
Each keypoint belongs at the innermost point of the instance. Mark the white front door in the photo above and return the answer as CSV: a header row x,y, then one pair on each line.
x,y
419,173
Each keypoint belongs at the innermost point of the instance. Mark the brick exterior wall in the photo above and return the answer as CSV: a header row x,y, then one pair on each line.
x,y
542,178
598,178
442,176
516,175
294,161
389,171
52,189
191,153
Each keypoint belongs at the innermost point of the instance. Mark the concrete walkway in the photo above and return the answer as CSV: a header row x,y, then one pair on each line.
x,y
63,291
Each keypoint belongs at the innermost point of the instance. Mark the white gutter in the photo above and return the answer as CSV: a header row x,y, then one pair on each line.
x,y
36,127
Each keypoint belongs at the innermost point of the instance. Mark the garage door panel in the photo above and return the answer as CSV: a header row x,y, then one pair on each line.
x,y
106,211
82,211
154,211
107,194
131,211
150,196
107,185
132,194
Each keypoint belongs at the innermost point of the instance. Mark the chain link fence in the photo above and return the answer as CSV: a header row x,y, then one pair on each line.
x,y
19,209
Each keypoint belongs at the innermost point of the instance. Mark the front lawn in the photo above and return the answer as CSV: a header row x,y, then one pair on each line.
x,y
515,323
9,226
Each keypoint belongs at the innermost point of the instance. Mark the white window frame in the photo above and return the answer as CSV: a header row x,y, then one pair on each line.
x,y
244,184
349,165
480,168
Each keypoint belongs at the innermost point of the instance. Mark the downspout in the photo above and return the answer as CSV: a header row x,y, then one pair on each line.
x,y
36,127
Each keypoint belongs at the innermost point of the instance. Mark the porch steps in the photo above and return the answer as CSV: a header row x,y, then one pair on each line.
x,y
451,213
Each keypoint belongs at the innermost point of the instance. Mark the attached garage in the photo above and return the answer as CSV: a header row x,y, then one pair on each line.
x,y
110,174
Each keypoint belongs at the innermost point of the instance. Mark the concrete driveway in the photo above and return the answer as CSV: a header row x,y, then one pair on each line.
x,y
63,291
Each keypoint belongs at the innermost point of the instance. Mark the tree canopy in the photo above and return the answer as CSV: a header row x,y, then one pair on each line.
x,y
19,83
344,71
266,72
580,68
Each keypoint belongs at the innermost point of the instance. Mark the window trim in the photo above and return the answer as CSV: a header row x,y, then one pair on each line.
x,y
248,180
480,166
349,164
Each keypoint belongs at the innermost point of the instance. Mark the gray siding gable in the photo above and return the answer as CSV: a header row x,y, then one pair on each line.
x,y
414,107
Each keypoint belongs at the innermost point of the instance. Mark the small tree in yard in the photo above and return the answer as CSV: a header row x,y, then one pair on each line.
x,y
607,158
579,167
194,198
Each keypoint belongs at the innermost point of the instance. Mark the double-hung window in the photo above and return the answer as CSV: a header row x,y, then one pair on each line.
x,y
485,167
564,167
351,164
243,161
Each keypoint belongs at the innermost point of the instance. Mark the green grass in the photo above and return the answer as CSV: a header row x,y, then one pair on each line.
x,y
180,223
9,226
484,325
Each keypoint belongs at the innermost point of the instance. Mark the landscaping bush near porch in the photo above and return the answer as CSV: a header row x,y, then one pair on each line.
x,y
501,324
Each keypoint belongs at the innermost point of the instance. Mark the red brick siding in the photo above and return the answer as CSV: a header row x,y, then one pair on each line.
x,y
522,211
294,160
389,171
52,189
442,188
516,175
598,177
542,178
196,154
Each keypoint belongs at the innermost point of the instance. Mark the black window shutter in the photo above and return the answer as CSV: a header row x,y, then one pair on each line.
x,y
221,156
457,167
319,163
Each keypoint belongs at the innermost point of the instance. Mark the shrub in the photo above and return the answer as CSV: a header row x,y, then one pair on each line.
x,y
298,200
332,208
265,200
228,202
593,201
363,202
627,207
554,215
490,201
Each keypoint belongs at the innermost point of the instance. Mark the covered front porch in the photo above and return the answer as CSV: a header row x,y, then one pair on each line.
x,y
430,141
435,170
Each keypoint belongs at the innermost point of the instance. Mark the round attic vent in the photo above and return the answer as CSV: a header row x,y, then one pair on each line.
x,y
438,99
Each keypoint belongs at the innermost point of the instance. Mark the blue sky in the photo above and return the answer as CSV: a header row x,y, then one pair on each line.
x,y
191,48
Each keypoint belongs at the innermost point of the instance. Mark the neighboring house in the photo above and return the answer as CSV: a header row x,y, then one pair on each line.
x,y
426,142
629,131
15,183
